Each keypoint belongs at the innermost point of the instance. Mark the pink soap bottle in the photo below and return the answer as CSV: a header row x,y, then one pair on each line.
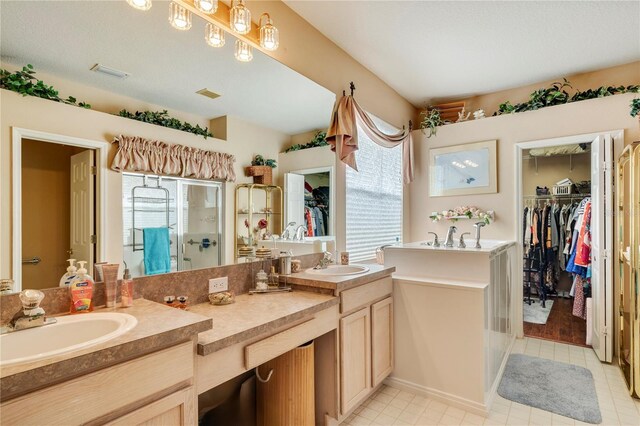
x,y
127,288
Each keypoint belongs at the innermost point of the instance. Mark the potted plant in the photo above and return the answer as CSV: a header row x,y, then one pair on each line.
x,y
635,108
261,170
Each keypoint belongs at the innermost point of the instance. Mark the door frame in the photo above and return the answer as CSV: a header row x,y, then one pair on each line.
x,y
617,137
332,191
100,148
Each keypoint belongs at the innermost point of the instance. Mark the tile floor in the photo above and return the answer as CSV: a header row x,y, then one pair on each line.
x,y
390,406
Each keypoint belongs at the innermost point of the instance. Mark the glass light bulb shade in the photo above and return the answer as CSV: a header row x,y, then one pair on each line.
x,y
140,4
179,17
269,37
206,6
214,35
244,52
240,18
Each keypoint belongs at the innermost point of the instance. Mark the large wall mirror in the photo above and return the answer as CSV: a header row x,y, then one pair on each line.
x,y
263,108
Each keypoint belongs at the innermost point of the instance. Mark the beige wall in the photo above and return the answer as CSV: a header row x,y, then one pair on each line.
x,y
550,170
244,141
46,180
597,115
626,75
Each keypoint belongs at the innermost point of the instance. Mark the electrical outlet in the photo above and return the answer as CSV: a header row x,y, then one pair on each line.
x,y
218,284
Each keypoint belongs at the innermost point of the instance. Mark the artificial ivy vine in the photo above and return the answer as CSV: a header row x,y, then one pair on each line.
x,y
162,118
319,139
25,83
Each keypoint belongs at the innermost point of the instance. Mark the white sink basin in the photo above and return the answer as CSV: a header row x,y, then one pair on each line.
x,y
70,333
334,270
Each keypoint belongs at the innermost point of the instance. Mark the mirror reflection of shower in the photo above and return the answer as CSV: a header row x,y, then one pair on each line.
x,y
188,211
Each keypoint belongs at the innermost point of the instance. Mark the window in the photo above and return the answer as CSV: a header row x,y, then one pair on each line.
x,y
374,197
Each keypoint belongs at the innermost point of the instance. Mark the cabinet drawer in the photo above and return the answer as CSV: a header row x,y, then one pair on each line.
x,y
266,349
365,294
103,392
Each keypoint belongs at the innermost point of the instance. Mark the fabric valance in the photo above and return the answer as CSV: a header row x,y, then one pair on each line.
x,y
343,135
137,154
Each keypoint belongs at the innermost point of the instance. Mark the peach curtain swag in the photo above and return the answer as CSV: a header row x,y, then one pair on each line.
x,y
343,136
137,154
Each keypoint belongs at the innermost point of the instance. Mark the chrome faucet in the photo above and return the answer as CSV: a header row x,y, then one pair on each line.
x,y
461,243
448,242
326,260
286,234
31,315
301,232
478,225
435,243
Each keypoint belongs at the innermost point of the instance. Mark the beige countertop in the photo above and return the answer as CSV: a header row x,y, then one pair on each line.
x,y
253,315
341,282
158,327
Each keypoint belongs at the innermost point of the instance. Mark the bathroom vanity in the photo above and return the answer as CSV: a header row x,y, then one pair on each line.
x,y
453,313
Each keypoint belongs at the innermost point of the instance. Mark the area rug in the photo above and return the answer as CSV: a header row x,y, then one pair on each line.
x,y
553,386
536,314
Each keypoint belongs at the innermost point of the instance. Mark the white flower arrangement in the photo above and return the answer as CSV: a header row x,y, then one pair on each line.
x,y
463,212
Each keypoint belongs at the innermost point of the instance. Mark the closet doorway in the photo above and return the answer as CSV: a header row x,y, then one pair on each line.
x,y
565,228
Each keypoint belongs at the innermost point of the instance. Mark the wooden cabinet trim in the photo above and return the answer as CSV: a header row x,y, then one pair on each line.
x,y
381,341
365,294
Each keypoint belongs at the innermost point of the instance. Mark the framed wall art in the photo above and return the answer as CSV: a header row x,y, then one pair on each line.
x,y
467,169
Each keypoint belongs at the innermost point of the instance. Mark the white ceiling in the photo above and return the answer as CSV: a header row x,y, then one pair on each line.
x,y
454,49
167,66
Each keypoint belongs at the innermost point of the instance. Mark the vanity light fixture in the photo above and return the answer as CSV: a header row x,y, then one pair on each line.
x,y
240,17
140,4
207,6
459,165
244,52
470,163
179,17
214,35
269,37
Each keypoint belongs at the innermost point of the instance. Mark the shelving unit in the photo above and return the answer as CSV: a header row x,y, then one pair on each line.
x,y
258,197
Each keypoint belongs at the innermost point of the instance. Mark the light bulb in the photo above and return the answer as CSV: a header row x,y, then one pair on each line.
x,y
140,4
179,17
240,18
214,35
269,37
206,6
244,52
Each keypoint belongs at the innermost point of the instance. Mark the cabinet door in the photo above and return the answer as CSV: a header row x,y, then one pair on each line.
x,y
381,340
177,409
355,353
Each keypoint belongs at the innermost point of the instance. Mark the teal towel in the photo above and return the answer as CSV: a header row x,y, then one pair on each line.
x,y
157,254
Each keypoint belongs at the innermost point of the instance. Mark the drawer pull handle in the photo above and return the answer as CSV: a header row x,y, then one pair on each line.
x,y
268,375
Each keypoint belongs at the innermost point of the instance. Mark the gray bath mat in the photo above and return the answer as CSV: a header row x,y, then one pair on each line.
x,y
561,388
536,314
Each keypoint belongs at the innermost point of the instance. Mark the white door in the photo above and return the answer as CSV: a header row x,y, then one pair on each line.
x,y
82,202
294,198
601,240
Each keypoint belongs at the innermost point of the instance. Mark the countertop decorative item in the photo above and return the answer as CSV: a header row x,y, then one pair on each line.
x,y
463,212
478,114
223,298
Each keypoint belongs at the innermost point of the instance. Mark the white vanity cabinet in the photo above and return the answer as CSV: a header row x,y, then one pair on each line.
x,y
366,341
154,389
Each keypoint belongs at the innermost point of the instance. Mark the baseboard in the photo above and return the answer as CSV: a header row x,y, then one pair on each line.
x,y
447,398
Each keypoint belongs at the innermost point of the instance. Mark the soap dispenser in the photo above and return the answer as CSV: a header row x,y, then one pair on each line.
x,y
81,290
70,275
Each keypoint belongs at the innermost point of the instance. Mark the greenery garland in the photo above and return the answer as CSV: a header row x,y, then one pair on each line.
x,y
24,83
162,118
319,139
555,94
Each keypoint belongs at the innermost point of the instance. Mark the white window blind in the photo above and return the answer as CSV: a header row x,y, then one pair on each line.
x,y
374,197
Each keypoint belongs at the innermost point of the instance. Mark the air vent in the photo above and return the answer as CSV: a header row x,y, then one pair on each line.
x,y
208,93
110,71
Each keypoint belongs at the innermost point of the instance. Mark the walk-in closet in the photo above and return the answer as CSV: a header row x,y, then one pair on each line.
x,y
556,217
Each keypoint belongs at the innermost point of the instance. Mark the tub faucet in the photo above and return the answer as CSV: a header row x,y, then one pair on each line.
x,y
461,243
301,232
286,234
31,315
478,225
448,242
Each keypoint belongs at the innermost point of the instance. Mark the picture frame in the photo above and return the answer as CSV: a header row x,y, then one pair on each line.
x,y
467,169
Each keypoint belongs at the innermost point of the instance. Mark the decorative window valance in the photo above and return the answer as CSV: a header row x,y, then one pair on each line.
x,y
343,135
137,154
